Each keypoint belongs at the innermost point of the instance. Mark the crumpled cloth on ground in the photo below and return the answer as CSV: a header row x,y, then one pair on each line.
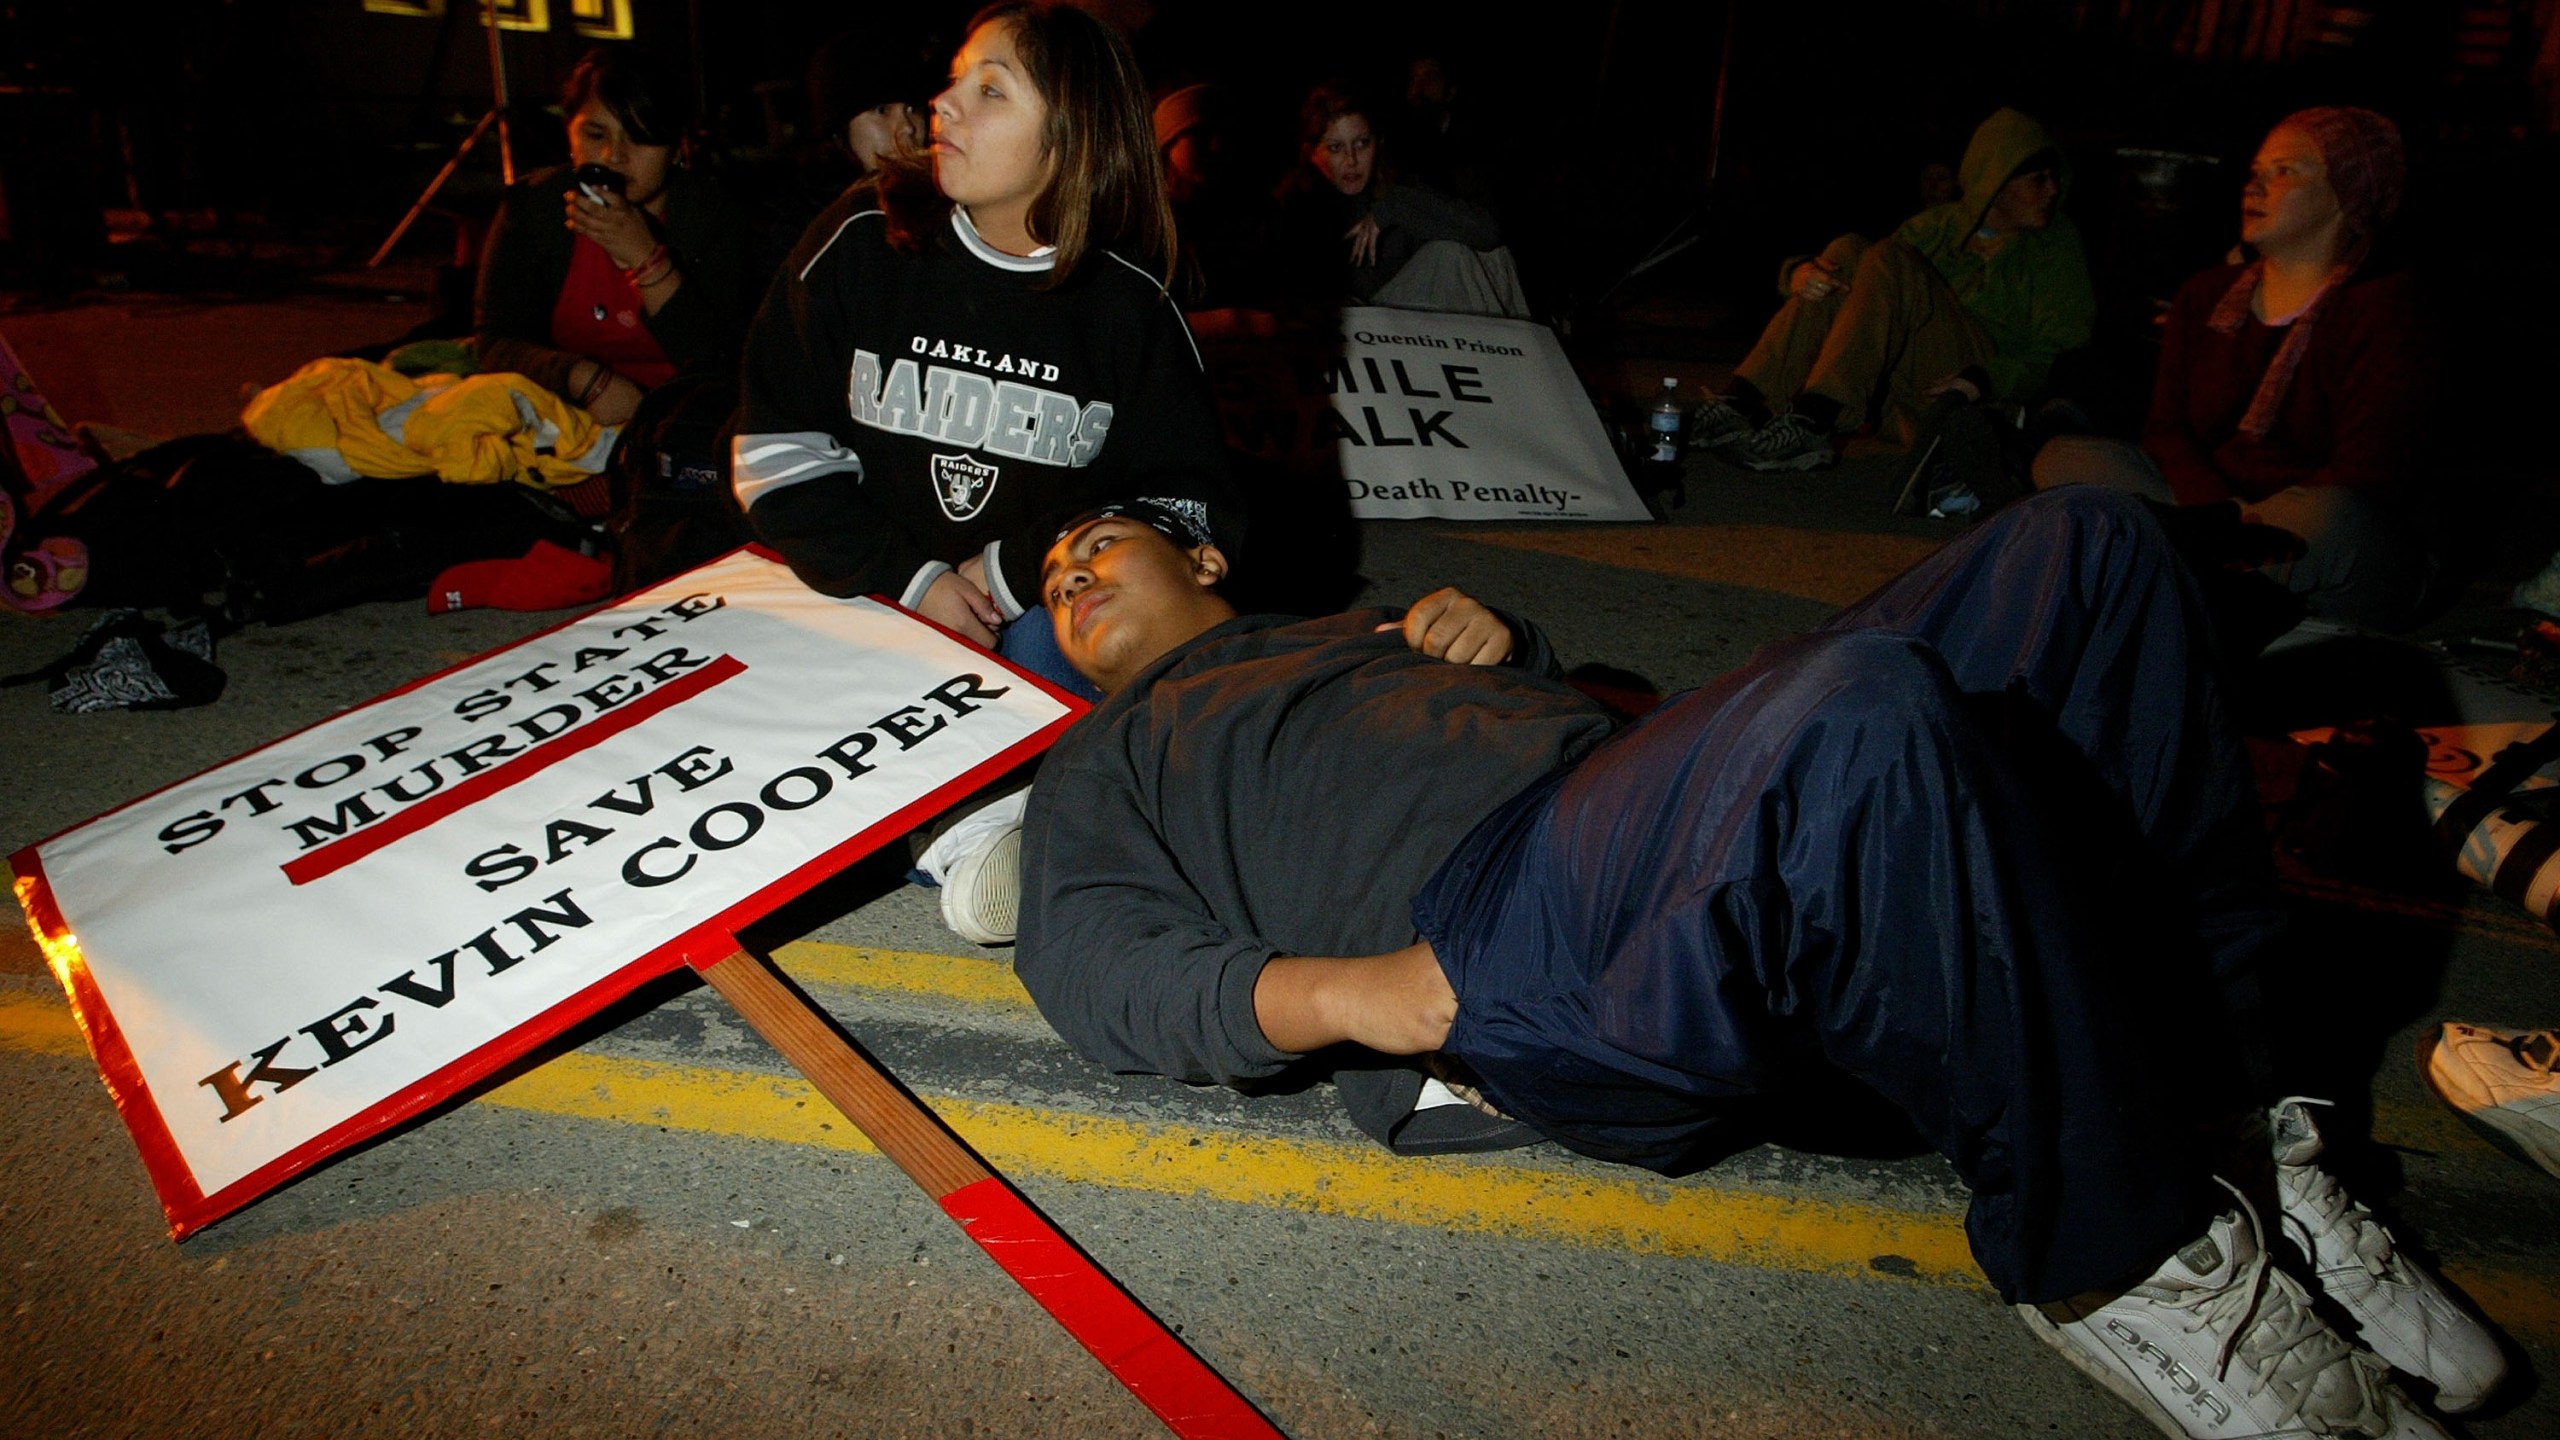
x,y
351,418
128,661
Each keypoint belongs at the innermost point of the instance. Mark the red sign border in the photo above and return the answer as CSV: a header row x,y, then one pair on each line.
x,y
189,1208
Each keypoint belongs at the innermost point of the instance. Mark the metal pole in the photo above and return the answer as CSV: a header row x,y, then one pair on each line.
x,y
1724,78
498,91
496,115
428,195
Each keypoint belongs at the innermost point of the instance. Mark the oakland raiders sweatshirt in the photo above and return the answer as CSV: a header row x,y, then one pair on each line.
x,y
902,412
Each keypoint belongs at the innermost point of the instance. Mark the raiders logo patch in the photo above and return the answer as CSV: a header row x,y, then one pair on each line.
x,y
962,485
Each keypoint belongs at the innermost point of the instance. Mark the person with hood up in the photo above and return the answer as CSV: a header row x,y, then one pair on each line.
x,y
2294,383
1977,296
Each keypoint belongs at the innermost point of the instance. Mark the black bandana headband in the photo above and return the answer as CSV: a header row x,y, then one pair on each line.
x,y
1184,522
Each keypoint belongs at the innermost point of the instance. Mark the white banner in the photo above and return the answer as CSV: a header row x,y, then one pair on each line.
x,y
299,948
1422,414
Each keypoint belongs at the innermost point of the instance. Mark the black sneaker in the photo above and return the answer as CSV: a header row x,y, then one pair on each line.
x,y
1717,425
1787,442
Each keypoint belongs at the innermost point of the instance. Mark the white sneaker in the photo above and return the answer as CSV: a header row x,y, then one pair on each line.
x,y
2217,1344
2508,1085
978,864
982,890
2402,1312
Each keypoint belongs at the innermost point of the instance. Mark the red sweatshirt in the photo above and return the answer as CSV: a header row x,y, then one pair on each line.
x,y
2350,418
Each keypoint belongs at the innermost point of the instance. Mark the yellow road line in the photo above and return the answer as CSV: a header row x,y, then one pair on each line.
x,y
1359,1182
1643,1215
1767,1231
981,982
992,986
2429,1129
2525,1306
38,1024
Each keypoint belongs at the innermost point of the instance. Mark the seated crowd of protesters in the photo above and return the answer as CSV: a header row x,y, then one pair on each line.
x,y
1536,922
2291,384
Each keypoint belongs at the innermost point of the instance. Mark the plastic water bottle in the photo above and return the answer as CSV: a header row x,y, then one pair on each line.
x,y
1665,422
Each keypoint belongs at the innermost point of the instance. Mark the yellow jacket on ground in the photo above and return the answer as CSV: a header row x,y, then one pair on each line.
x,y
348,419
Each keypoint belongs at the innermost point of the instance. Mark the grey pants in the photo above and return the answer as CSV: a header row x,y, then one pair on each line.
x,y
2361,563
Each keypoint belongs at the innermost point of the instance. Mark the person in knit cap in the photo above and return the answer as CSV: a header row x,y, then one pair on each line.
x,y
2292,383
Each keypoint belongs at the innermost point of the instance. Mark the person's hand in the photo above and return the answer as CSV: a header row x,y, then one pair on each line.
x,y
614,223
1818,279
1451,625
1398,1003
1364,241
962,608
1955,384
974,570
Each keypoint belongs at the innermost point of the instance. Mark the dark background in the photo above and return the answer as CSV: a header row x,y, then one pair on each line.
x,y
179,145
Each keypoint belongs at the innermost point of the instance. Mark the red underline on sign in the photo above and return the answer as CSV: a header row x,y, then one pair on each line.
x,y
339,854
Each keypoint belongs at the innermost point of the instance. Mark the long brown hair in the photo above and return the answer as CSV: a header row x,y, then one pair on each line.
x,y
1107,192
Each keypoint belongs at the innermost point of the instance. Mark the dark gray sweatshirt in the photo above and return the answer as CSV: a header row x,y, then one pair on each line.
x,y
1274,787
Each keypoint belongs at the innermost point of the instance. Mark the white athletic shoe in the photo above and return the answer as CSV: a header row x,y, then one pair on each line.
x,y
2402,1312
2218,1344
978,864
2508,1085
982,889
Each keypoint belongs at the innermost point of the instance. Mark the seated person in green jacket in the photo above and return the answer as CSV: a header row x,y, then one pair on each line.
x,y
600,294
1871,332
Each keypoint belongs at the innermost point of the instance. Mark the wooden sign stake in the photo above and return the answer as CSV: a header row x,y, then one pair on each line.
x,y
1193,1401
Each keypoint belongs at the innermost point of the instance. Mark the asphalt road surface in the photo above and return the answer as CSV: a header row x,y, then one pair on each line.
x,y
659,1229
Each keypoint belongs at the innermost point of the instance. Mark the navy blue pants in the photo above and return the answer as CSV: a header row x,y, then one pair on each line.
x,y
1846,854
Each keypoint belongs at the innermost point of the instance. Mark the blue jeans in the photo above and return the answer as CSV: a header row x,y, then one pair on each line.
x,y
1032,643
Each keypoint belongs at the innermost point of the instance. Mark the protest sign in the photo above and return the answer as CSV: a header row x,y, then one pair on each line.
x,y
1422,414
300,948
2456,754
